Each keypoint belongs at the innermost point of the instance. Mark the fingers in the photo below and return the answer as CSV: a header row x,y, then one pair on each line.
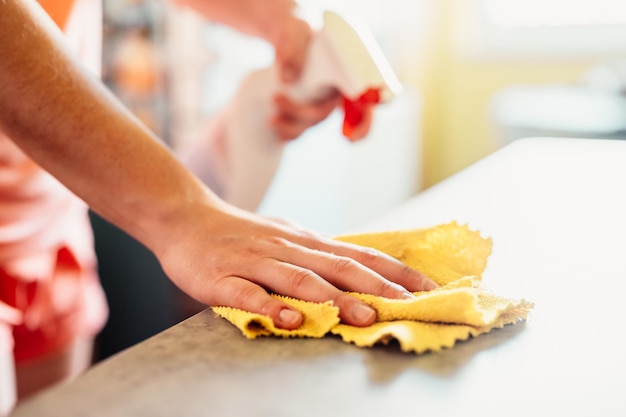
x,y
298,281
245,295
346,273
289,269
236,261
309,267
293,281
388,267
317,276
384,265
292,119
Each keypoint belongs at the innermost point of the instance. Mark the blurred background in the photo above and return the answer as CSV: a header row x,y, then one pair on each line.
x,y
477,75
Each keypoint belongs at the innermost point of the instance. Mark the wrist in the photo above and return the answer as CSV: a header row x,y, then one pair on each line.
x,y
275,24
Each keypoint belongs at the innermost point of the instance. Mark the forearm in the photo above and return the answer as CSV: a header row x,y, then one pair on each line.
x,y
74,128
259,18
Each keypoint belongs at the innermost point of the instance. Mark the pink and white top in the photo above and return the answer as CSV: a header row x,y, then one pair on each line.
x,y
49,289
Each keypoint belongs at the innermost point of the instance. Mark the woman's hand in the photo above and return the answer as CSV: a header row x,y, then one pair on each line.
x,y
291,40
235,258
292,118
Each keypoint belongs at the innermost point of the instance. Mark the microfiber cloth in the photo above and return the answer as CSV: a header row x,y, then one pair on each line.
x,y
452,255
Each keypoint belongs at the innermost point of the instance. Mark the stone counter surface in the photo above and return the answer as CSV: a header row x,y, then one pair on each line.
x,y
205,367
555,209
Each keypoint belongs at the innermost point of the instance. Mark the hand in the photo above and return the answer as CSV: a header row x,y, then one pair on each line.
x,y
291,45
291,37
293,118
233,258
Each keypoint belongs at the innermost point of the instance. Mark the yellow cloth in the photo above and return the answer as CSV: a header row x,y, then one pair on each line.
x,y
451,255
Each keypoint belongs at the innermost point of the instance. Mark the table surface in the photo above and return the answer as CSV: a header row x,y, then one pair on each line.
x,y
556,211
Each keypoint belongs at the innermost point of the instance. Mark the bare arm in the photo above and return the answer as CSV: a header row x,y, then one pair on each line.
x,y
262,19
68,122
75,129
272,20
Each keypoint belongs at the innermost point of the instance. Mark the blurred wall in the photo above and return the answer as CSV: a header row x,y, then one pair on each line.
x,y
441,49
457,87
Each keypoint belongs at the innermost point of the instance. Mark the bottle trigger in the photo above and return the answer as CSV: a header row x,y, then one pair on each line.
x,y
354,110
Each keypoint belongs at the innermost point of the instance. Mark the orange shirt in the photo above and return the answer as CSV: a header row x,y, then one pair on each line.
x,y
48,282
58,10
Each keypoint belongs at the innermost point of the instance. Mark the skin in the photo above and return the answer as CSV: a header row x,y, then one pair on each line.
x,y
272,21
292,118
220,255
275,22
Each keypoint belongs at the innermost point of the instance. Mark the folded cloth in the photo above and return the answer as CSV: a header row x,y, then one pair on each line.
x,y
451,255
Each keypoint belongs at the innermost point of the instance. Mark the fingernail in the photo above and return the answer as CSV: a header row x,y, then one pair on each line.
x,y
363,313
408,295
289,317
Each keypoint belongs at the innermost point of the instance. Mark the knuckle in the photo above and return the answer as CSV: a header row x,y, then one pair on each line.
x,y
270,307
298,278
245,295
407,272
369,256
342,265
388,289
278,241
305,234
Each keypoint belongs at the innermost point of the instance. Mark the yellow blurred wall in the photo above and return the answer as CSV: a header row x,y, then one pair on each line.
x,y
455,127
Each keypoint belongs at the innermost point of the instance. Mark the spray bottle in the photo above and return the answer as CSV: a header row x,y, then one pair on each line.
x,y
343,56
